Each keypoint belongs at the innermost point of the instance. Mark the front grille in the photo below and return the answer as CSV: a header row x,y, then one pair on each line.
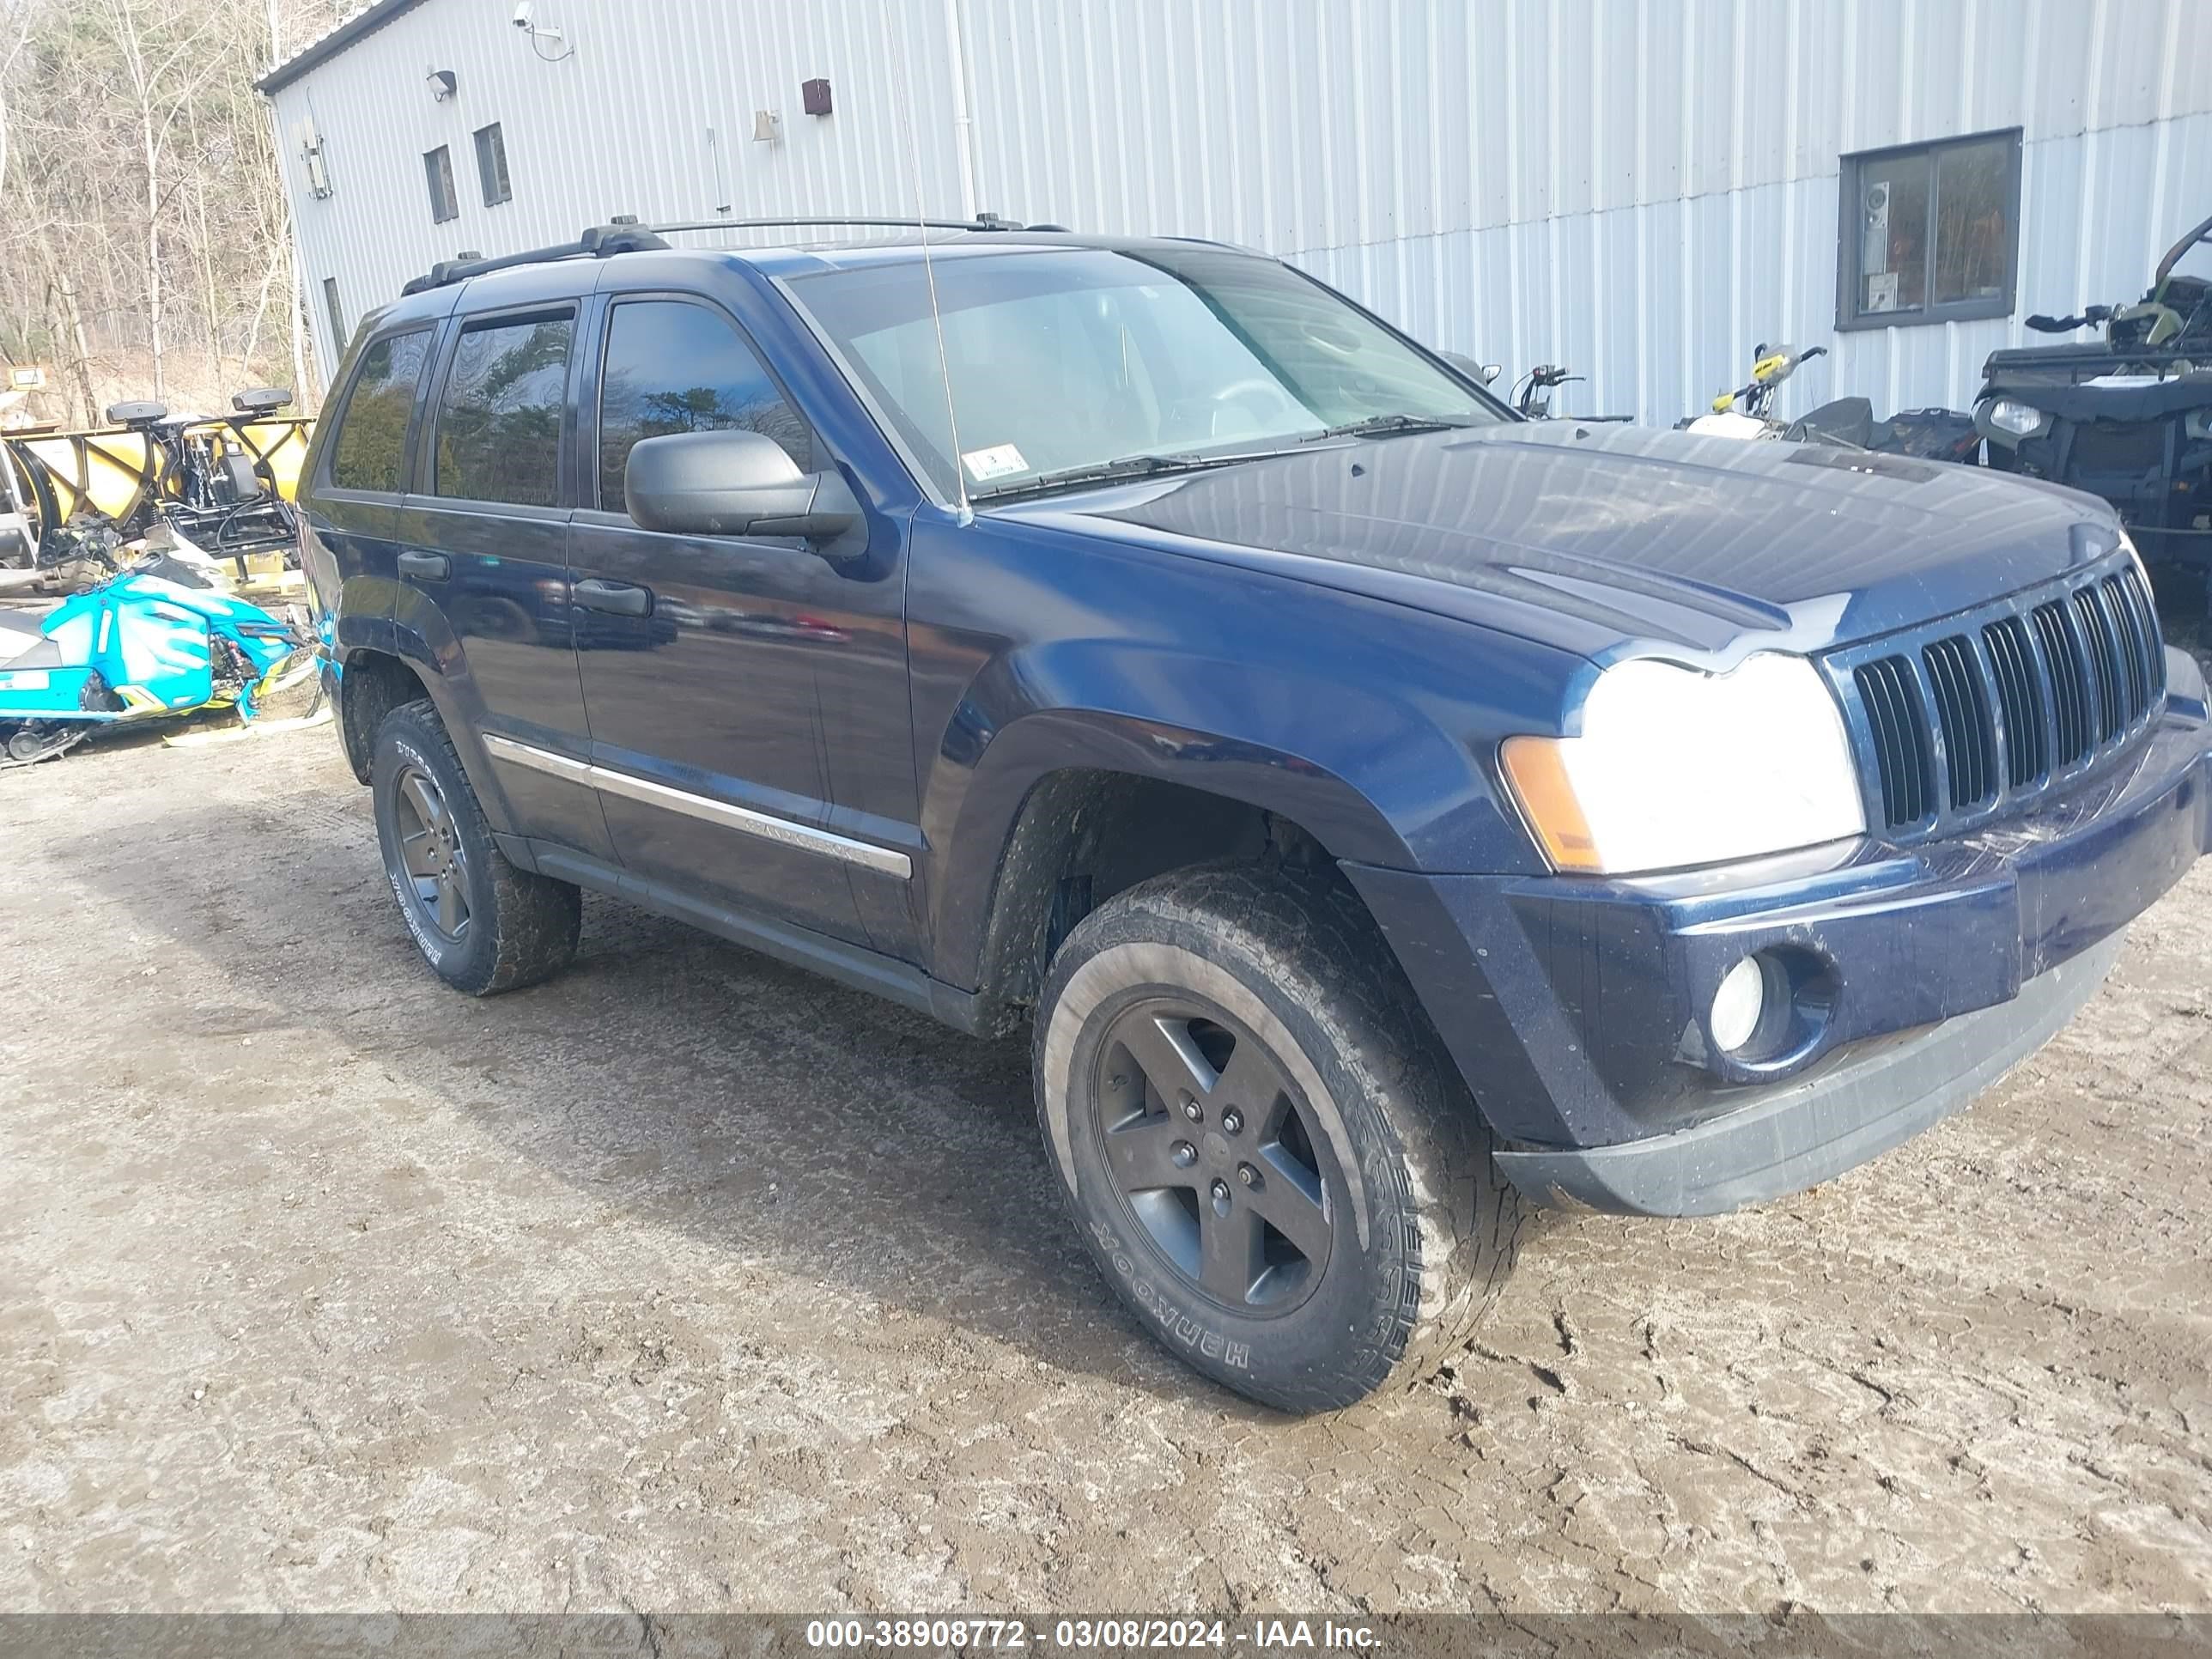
x,y
2102,447
1989,710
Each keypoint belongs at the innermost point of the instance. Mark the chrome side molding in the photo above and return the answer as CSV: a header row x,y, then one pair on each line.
x,y
744,819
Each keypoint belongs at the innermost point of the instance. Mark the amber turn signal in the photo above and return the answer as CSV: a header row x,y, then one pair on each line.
x,y
1536,769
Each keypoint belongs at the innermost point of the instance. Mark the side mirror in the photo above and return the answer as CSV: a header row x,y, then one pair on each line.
x,y
733,483
1482,373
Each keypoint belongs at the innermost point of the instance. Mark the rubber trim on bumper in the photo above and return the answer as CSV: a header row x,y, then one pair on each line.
x,y
1813,1129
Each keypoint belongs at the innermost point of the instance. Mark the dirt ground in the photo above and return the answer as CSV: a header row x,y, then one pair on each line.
x,y
690,1282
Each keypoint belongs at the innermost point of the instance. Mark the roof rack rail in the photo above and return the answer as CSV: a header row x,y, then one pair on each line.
x,y
625,235
980,221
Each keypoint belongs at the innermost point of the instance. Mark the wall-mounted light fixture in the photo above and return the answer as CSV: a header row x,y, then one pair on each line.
x,y
814,96
311,158
767,126
442,85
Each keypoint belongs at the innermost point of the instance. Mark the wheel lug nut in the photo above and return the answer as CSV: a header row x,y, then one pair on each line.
x,y
1192,1110
1232,1121
1248,1174
1220,1191
1184,1154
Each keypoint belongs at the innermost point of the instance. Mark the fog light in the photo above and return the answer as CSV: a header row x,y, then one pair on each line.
x,y
1739,1005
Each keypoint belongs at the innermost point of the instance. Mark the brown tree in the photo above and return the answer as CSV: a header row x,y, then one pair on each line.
x,y
146,247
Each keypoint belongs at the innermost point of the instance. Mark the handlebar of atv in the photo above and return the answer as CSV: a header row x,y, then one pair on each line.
x,y
2091,317
1770,367
1544,377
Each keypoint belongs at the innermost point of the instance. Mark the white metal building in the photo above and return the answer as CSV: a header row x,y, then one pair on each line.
x,y
1642,189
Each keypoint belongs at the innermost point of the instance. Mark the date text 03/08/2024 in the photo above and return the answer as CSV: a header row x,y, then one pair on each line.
x,y
1081,1635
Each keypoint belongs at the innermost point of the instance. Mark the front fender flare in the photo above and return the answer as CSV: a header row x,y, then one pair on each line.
x,y
1020,757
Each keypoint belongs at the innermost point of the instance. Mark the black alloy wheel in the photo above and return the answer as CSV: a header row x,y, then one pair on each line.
x,y
1208,1145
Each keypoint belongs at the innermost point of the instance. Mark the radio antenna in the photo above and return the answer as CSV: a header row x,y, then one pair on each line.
x,y
966,513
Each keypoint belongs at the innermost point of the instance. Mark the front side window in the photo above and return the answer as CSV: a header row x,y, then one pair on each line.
x,y
1930,233
438,173
499,422
372,435
1062,359
677,368
491,166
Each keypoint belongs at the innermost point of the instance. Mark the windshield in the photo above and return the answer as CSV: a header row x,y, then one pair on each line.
x,y
1066,360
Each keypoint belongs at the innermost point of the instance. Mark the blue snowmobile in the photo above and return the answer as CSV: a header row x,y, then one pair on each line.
x,y
152,643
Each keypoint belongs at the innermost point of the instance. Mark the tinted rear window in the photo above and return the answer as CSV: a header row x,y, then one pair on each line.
x,y
372,432
499,423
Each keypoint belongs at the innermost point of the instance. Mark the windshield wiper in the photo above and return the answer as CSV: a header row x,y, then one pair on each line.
x,y
1128,466
1150,465
1375,426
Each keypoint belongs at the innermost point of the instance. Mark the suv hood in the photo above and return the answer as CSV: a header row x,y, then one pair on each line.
x,y
1613,540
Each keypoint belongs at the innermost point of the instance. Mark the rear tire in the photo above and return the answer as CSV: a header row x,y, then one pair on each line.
x,y
483,925
1266,1149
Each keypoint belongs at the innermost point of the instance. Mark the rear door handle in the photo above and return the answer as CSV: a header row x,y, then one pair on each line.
x,y
616,599
426,567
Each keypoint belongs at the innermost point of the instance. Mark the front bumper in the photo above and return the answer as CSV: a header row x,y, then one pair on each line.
x,y
1822,1123
1575,1008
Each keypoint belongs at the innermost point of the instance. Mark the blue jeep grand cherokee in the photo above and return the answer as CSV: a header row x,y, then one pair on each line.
x,y
1389,812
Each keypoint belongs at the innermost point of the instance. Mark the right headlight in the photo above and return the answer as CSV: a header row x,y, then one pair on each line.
x,y
1676,767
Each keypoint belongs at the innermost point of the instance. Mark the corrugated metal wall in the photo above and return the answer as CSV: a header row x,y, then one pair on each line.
x,y
1641,188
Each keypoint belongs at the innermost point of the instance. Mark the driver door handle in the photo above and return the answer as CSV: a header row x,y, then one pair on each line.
x,y
616,599
426,567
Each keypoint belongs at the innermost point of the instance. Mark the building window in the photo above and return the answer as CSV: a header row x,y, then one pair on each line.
x,y
491,166
338,314
1931,232
438,169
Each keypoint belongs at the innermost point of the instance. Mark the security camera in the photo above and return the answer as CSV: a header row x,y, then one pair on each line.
x,y
523,11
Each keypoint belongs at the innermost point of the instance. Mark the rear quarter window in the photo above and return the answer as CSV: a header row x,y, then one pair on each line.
x,y
372,435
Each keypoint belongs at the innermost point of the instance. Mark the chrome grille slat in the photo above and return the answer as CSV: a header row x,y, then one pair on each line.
x,y
2020,693
2093,634
2069,681
1969,737
1901,737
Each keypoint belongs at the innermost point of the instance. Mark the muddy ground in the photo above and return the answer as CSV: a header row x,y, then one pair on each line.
x,y
690,1282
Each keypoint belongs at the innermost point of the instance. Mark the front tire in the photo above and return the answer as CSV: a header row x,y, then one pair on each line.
x,y
483,925
1273,1163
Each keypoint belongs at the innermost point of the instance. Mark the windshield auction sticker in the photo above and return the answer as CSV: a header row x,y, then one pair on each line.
x,y
999,461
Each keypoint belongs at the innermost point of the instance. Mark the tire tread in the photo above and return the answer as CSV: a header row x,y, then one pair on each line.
x,y
535,921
